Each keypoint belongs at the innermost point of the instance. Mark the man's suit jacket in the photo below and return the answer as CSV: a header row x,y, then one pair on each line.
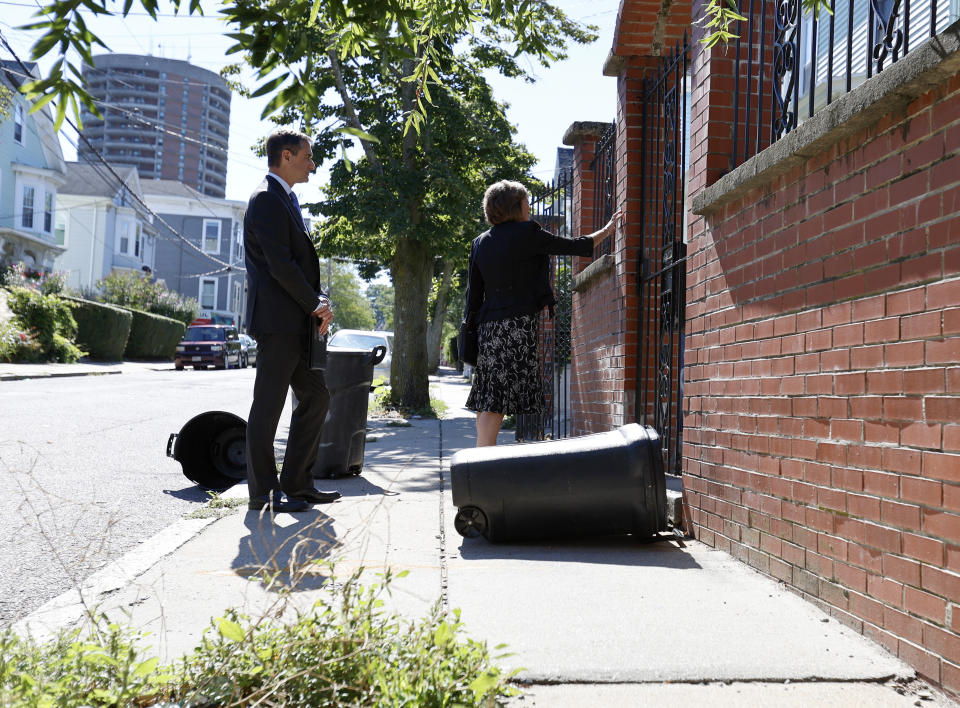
x,y
283,271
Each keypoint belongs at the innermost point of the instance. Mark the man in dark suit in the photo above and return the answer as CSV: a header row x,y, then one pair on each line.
x,y
283,282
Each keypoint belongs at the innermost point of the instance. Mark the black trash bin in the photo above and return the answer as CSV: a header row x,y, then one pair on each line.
x,y
349,374
602,484
212,449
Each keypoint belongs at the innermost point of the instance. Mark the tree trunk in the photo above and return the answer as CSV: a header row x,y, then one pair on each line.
x,y
435,327
412,270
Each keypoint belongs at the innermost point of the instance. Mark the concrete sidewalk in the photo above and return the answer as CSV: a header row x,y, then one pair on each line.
x,y
611,622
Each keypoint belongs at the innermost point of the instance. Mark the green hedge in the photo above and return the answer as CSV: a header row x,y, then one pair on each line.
x,y
153,336
102,329
43,328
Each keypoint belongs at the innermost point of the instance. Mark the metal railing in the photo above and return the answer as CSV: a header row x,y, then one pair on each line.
x,y
659,387
603,167
552,206
789,63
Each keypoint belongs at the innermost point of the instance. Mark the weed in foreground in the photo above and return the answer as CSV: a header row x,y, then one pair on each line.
x,y
346,651
217,507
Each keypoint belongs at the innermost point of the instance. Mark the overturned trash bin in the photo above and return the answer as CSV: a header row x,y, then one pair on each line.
x,y
601,484
349,374
212,449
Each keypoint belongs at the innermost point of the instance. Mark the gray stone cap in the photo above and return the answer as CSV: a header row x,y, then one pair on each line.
x,y
613,65
926,67
589,275
582,129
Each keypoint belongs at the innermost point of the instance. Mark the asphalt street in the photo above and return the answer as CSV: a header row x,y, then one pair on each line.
x,y
84,472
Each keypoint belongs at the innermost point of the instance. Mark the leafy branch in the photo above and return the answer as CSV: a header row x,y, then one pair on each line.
x,y
720,15
349,29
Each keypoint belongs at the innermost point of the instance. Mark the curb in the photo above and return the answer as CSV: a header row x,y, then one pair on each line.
x,y
68,374
10,375
71,605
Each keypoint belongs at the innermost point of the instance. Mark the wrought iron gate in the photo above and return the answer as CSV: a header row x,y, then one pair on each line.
x,y
662,285
552,206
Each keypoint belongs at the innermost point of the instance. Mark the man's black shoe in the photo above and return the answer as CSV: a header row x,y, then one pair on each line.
x,y
314,496
278,505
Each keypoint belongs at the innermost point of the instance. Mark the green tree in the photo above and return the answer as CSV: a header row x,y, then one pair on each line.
x,y
367,70
380,296
350,308
413,203
286,58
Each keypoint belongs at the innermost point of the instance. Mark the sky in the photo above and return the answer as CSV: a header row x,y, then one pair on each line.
x,y
572,90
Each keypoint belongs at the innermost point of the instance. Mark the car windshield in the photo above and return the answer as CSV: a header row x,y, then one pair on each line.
x,y
204,334
356,340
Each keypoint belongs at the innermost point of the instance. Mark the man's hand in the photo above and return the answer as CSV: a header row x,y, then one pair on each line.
x,y
324,313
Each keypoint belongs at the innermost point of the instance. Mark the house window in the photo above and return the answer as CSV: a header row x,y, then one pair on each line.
x,y
208,293
18,123
123,237
211,236
47,212
238,240
137,240
60,232
237,296
26,216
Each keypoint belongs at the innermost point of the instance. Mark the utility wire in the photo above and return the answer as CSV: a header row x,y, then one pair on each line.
x,y
228,267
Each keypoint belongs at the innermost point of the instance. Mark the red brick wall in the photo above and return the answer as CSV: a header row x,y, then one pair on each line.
x,y
822,435
597,321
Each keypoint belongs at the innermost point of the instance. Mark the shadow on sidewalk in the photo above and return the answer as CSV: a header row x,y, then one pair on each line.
x,y
353,486
607,550
286,551
194,493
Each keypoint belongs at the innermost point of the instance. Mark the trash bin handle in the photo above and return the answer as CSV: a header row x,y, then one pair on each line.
x,y
173,437
378,353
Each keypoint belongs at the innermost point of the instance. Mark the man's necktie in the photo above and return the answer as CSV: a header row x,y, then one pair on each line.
x,y
296,206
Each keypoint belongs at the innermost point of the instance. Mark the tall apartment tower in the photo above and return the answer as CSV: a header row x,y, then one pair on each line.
x,y
167,117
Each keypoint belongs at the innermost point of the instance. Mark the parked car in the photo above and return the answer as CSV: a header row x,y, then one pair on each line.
x,y
365,339
209,345
249,346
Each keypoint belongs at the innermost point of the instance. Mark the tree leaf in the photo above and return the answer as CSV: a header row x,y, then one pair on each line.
x,y
357,133
269,86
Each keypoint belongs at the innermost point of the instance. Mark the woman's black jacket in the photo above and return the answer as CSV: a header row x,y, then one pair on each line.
x,y
509,269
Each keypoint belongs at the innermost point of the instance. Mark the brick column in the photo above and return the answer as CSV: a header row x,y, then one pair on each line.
x,y
585,396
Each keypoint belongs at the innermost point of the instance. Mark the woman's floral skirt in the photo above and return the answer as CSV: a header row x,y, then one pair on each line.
x,y
507,378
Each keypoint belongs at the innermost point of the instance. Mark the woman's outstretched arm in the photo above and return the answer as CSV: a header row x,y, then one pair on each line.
x,y
609,227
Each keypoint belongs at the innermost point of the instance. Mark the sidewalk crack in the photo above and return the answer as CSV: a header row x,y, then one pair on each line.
x,y
442,535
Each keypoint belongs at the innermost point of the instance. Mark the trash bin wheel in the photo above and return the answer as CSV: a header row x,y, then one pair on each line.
x,y
470,522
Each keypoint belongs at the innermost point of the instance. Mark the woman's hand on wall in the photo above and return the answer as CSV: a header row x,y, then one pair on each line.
x,y
610,227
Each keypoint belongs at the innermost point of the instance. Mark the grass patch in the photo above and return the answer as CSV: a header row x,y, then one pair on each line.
x,y
345,651
380,405
217,507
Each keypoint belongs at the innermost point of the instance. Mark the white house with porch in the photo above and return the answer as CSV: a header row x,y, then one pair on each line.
x,y
32,170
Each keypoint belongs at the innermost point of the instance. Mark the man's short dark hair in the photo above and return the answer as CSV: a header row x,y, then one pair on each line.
x,y
284,139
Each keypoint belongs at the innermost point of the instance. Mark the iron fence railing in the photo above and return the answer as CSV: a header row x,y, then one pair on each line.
x,y
790,62
659,393
552,206
603,167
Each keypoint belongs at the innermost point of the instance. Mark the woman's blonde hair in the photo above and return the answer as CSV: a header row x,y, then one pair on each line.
x,y
503,201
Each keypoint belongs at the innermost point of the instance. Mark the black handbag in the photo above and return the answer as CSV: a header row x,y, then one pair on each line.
x,y
467,345
316,347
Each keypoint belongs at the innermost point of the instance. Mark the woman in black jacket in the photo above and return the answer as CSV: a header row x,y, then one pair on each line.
x,y
509,283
